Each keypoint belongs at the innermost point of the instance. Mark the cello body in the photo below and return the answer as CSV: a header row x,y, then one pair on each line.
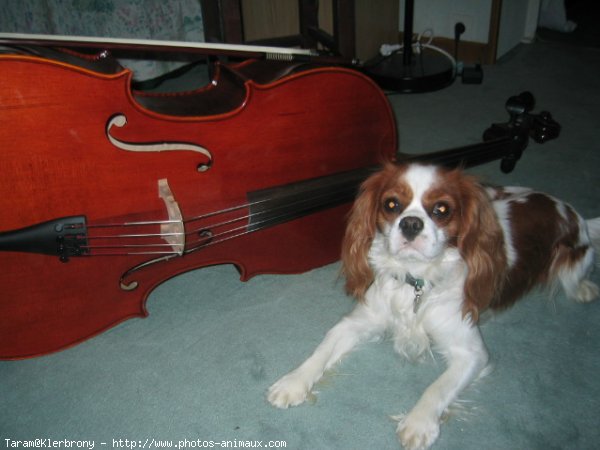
x,y
160,185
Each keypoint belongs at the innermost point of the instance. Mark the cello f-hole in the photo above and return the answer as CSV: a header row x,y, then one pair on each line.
x,y
128,287
134,284
204,167
120,120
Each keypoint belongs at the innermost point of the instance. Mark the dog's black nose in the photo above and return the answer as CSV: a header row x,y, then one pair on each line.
x,y
411,227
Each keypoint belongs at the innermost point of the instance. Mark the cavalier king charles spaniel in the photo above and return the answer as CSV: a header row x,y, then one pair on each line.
x,y
426,251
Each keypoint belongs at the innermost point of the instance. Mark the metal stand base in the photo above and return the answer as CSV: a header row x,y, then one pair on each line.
x,y
427,71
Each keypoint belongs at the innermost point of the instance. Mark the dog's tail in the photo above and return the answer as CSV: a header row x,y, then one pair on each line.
x,y
593,226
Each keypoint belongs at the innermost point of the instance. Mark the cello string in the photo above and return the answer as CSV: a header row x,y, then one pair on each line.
x,y
133,224
224,237
213,239
201,216
127,236
343,190
210,240
194,246
171,221
149,253
92,247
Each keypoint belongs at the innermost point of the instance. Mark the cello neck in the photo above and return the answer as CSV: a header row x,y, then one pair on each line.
x,y
466,156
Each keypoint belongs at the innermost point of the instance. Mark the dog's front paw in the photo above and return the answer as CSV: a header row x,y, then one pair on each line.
x,y
290,390
586,292
418,431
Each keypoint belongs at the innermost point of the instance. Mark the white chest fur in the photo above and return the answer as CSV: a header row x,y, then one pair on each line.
x,y
413,325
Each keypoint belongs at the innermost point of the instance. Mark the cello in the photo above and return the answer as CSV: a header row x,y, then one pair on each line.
x,y
107,192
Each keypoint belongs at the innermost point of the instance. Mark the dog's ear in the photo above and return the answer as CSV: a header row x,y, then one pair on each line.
x,y
360,231
481,244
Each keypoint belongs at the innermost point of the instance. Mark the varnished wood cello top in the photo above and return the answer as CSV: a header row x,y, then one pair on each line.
x,y
310,125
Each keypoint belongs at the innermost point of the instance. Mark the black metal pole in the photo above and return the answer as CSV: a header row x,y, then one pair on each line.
x,y
408,32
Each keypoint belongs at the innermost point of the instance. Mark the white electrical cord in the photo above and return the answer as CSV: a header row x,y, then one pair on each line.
x,y
417,45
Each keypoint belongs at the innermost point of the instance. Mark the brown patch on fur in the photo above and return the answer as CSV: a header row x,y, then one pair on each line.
x,y
444,192
478,237
544,242
362,226
569,249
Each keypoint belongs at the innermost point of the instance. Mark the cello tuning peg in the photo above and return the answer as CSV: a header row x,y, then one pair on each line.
x,y
520,104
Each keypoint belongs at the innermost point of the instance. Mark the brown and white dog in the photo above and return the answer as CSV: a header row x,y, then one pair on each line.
x,y
426,251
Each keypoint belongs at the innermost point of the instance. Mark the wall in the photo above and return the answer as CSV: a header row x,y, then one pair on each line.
x,y
441,15
518,22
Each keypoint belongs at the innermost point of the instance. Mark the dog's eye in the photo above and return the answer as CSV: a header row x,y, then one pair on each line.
x,y
440,210
391,205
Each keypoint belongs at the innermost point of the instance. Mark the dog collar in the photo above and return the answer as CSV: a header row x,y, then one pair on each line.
x,y
417,284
